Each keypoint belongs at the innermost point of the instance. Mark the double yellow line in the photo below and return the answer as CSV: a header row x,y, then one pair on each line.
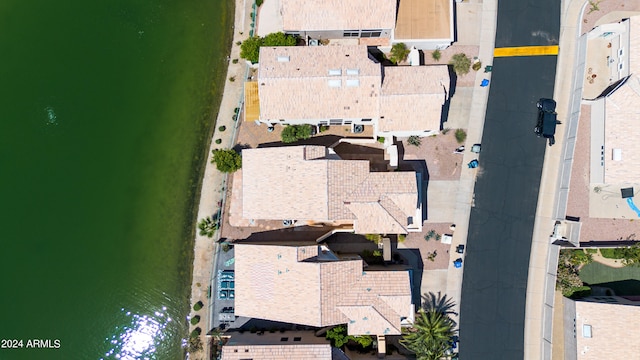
x,y
525,51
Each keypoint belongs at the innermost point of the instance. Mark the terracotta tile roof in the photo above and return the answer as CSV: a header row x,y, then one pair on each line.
x,y
312,92
299,15
277,352
412,98
613,330
279,184
319,293
325,190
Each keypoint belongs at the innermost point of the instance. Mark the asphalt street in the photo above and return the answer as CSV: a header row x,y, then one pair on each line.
x,y
492,313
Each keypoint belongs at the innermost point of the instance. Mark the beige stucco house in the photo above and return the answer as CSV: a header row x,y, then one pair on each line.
x,y
613,84
345,85
601,327
312,184
310,285
335,19
299,345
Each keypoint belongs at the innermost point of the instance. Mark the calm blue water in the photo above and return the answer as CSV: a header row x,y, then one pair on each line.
x,y
105,115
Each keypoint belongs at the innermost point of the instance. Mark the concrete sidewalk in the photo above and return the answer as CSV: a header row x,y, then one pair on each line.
x,y
478,107
540,294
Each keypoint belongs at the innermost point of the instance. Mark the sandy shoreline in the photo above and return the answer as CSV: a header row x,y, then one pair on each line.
x,y
213,182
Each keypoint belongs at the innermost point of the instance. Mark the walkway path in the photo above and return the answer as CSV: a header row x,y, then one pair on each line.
x,y
214,182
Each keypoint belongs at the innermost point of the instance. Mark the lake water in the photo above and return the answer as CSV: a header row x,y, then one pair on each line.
x,y
105,118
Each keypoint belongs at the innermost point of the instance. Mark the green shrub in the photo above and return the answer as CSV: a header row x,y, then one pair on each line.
x,y
377,253
461,136
476,65
195,344
196,332
194,320
323,128
259,2
250,48
226,247
461,63
234,61
197,306
376,238
401,238
222,128
436,55
399,53
614,253
293,133
591,250
414,140
380,139
208,226
232,78
218,141
338,336
445,131
227,160
238,43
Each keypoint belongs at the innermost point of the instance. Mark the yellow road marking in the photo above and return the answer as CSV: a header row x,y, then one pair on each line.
x,y
525,51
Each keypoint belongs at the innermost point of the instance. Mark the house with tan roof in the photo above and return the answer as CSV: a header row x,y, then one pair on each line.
x,y
311,285
597,327
311,183
335,19
345,85
299,345
427,25
615,115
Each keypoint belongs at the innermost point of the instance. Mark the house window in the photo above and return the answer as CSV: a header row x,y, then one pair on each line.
x,y
335,122
370,33
347,122
297,339
366,120
284,339
323,122
351,33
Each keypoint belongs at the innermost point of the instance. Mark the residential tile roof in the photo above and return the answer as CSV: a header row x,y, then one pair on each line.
x,y
634,44
613,331
302,88
299,15
622,131
319,293
295,183
277,352
424,20
313,83
412,97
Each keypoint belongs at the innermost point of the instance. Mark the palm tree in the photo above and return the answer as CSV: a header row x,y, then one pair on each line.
x,y
439,303
430,336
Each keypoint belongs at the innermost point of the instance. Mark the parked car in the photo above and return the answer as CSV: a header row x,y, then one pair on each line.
x,y
547,120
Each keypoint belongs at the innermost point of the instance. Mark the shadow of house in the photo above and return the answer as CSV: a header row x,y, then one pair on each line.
x,y
256,325
413,259
453,78
375,156
629,287
323,140
296,235
420,167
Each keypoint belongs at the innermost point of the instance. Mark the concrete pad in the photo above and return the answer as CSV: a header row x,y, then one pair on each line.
x,y
468,18
434,281
605,201
441,204
269,17
460,109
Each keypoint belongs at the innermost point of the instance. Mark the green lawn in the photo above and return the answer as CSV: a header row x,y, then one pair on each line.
x,y
624,281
